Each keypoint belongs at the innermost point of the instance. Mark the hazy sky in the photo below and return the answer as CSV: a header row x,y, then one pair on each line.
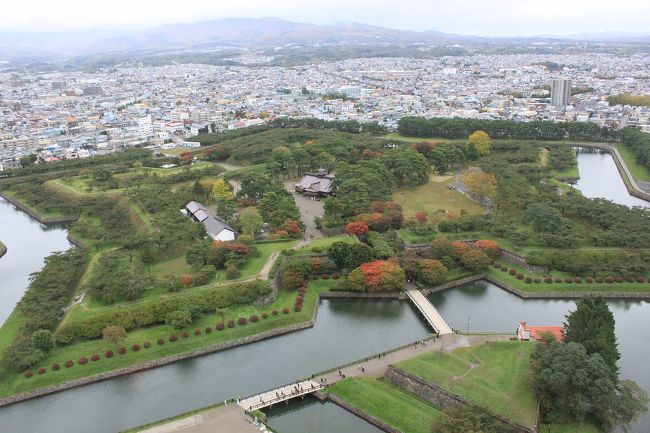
x,y
479,17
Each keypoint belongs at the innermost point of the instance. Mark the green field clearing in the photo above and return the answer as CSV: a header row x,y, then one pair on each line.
x,y
399,137
496,376
14,383
434,196
397,408
323,243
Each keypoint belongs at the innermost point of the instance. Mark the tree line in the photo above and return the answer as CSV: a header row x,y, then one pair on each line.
x,y
499,129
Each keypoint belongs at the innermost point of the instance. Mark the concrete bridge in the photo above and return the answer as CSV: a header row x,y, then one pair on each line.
x,y
279,395
431,315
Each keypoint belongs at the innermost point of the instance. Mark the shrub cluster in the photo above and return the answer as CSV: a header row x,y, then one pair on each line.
x,y
156,312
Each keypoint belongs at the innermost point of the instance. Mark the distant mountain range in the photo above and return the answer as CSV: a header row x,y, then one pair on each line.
x,y
244,32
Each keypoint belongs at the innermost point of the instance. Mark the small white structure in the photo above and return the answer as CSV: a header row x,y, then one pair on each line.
x,y
215,227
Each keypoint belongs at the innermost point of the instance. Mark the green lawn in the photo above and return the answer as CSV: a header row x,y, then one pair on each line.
x,y
395,407
511,280
252,267
496,376
568,174
638,171
399,137
15,383
323,243
434,196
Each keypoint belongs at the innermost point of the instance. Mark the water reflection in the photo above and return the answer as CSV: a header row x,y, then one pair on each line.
x,y
313,416
28,242
599,178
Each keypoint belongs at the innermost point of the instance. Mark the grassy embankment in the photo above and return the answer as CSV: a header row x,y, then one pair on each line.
x,y
15,383
397,408
583,286
638,171
496,376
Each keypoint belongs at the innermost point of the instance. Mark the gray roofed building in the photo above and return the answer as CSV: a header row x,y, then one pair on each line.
x,y
194,206
215,227
201,215
315,184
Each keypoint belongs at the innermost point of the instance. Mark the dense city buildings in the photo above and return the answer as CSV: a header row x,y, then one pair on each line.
x,y
77,114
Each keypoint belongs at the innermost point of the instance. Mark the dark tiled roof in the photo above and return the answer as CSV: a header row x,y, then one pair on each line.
x,y
214,226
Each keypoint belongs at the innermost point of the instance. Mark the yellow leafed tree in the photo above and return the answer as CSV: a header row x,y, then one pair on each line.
x,y
479,183
480,141
222,190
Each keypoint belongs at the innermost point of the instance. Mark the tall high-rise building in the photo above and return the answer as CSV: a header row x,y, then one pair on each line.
x,y
560,92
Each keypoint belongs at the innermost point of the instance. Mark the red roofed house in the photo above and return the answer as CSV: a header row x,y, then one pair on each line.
x,y
525,332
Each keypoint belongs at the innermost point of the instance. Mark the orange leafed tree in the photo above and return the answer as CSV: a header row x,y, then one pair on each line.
x,y
186,279
377,276
489,247
356,228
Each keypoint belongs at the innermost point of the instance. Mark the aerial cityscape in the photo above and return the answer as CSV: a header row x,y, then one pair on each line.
x,y
334,217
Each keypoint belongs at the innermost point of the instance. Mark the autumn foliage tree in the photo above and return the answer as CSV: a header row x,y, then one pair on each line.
x,y
479,183
489,247
440,247
421,217
475,260
377,276
291,227
458,249
480,141
356,228
431,272
186,279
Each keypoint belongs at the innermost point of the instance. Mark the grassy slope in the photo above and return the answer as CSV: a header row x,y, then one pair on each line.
x,y
434,196
496,376
323,243
15,383
638,171
177,265
397,408
511,280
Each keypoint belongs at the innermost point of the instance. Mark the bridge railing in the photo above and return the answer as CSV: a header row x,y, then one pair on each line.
x,y
419,307
362,360
282,398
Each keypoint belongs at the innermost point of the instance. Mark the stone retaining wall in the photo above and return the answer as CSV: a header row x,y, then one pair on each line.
x,y
441,397
518,260
31,212
160,362
361,414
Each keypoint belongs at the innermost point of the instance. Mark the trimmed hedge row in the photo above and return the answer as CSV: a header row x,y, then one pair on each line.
x,y
572,280
220,326
155,312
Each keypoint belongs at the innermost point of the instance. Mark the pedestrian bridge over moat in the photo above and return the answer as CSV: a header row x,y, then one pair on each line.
x,y
278,395
431,315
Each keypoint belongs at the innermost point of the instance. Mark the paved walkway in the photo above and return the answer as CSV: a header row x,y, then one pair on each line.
x,y
429,312
280,394
223,419
376,366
